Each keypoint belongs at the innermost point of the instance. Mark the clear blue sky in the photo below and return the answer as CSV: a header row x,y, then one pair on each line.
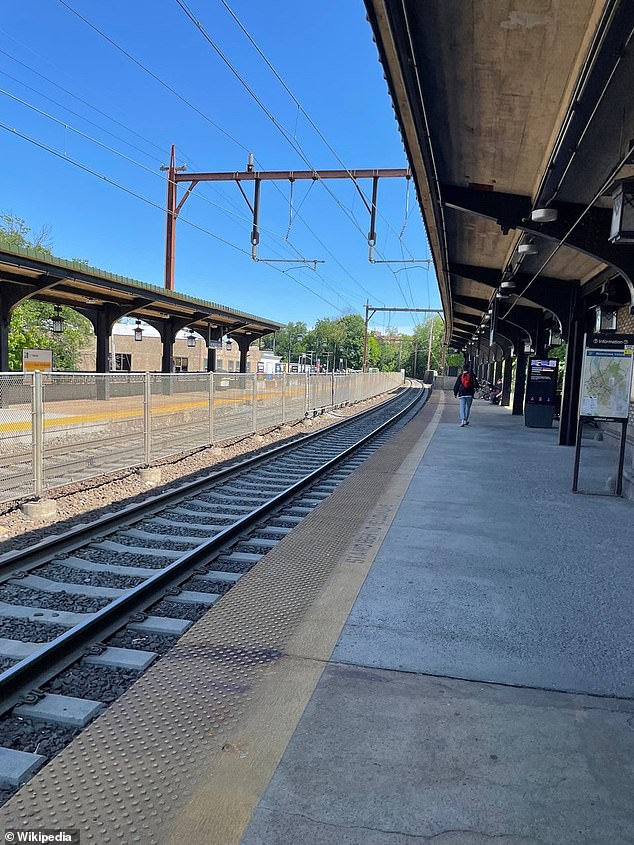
x,y
324,53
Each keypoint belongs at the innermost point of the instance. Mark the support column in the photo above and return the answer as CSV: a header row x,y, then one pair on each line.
x,y
497,371
103,329
5,321
572,382
213,334
506,381
520,381
243,345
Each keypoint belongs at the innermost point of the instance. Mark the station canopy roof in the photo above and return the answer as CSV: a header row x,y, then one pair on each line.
x,y
505,107
30,272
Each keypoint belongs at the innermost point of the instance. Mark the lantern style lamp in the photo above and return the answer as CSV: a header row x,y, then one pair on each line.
x,y
138,332
57,321
622,229
191,339
605,319
554,338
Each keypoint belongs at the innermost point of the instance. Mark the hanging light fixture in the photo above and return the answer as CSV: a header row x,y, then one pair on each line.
x,y
622,229
229,344
138,331
191,339
57,321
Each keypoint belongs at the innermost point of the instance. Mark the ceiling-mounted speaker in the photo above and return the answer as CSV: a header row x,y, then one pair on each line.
x,y
544,215
527,249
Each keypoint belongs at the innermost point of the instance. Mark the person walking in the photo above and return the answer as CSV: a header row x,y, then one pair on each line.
x,y
464,388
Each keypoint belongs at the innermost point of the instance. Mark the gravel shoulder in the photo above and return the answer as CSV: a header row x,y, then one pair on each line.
x,y
88,500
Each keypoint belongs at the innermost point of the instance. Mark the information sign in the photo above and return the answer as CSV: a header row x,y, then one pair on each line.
x,y
606,379
541,388
37,359
214,344
606,389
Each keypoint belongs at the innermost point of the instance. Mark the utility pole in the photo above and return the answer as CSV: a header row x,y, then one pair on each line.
x,y
370,311
257,177
365,336
415,356
431,337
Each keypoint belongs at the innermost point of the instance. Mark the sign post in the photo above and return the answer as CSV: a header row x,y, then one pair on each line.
x,y
606,386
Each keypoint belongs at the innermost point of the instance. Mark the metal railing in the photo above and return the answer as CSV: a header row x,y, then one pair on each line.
x,y
58,428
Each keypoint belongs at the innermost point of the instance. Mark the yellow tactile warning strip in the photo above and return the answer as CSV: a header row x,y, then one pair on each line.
x,y
185,754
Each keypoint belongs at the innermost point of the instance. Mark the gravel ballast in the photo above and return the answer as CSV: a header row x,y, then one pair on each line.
x,y
94,497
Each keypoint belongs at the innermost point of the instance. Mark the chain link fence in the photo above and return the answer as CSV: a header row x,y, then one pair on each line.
x,y
58,428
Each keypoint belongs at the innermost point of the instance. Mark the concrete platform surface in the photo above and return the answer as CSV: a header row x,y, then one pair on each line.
x,y
481,689
439,653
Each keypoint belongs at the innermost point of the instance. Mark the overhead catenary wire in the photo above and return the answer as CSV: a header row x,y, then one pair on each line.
x,y
81,100
191,105
155,76
293,143
147,200
300,107
97,142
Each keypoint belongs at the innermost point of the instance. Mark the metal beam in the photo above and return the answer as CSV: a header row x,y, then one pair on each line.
x,y
512,211
285,175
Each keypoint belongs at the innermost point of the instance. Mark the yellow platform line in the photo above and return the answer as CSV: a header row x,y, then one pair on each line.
x,y
131,413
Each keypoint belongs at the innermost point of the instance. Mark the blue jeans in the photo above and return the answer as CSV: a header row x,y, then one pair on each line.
x,y
465,407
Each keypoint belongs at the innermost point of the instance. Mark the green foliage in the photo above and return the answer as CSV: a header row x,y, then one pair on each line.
x,y
31,321
31,328
338,343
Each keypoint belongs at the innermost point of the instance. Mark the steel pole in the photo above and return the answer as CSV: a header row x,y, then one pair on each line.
x,y
147,419
170,230
365,336
211,409
38,434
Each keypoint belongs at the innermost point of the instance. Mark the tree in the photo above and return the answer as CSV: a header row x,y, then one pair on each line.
x,y
31,328
286,341
31,321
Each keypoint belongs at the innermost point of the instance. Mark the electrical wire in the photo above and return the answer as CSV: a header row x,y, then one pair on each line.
x,y
300,107
130,160
293,142
154,76
183,99
146,200
79,99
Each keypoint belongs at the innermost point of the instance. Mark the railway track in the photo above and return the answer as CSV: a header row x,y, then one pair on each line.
x,y
143,575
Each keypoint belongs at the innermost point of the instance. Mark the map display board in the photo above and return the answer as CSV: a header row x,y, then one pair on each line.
x,y
606,380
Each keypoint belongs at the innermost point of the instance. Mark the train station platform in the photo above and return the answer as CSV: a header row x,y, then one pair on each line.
x,y
440,653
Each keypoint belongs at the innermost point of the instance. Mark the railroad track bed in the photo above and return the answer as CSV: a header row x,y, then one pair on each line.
x,y
82,615
80,499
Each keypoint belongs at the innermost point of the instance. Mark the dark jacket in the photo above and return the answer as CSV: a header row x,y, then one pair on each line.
x,y
460,390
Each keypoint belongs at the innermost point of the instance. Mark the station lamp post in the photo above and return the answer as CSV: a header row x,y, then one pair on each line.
x,y
298,339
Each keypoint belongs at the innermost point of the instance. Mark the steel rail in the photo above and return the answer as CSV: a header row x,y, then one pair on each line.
x,y
59,653
74,538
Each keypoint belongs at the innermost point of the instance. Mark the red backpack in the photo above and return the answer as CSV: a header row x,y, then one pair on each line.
x,y
466,380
